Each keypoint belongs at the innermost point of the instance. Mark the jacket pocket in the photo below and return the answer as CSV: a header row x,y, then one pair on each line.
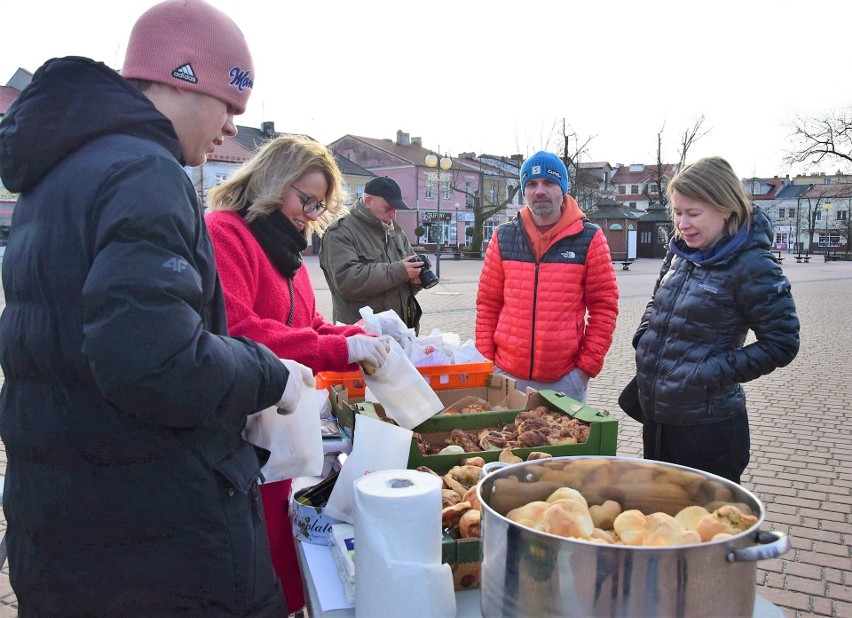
x,y
240,468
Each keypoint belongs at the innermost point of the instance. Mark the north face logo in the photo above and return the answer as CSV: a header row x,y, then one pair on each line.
x,y
185,73
176,264
568,255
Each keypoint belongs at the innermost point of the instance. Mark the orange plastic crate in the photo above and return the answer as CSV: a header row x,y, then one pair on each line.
x,y
439,377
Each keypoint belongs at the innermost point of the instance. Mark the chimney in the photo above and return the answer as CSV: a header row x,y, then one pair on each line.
x,y
402,139
417,141
517,158
267,128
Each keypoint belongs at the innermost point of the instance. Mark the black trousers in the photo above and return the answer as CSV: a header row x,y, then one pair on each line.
x,y
721,448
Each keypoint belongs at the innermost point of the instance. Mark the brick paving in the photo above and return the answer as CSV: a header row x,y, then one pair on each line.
x,y
801,440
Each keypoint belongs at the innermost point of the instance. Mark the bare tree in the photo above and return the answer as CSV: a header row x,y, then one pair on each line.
x,y
689,137
660,176
816,140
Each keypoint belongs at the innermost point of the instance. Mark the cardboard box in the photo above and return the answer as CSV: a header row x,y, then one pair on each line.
x,y
603,434
497,390
463,556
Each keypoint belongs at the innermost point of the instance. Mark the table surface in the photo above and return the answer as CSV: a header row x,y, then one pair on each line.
x,y
467,601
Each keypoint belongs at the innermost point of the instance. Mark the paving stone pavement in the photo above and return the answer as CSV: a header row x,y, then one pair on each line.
x,y
801,437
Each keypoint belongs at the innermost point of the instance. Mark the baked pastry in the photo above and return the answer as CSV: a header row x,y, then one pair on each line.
x,y
603,515
726,519
567,518
470,524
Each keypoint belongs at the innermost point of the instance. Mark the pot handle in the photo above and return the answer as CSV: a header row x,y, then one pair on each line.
x,y
769,545
490,467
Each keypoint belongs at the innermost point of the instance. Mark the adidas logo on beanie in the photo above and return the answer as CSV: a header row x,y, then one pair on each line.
x,y
191,45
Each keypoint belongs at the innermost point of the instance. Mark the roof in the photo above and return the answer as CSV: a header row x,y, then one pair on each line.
x,y
827,191
240,148
623,175
775,185
615,212
792,192
231,151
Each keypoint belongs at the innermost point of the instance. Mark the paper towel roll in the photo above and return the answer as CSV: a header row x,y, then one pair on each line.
x,y
398,570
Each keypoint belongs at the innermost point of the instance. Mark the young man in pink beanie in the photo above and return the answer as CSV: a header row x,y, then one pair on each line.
x,y
129,488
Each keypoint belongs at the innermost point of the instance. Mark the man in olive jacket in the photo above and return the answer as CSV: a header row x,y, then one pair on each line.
x,y
368,261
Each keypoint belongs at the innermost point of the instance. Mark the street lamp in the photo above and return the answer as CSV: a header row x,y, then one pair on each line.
x,y
825,208
445,163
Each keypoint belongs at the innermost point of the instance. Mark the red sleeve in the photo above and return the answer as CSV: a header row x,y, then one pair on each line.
x,y
489,298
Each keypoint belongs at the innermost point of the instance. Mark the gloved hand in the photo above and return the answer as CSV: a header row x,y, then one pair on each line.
x,y
363,348
301,378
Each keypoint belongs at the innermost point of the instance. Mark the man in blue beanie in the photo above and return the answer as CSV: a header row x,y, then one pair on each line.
x,y
548,300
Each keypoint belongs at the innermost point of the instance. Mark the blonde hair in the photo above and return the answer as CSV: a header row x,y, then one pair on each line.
x,y
712,180
262,182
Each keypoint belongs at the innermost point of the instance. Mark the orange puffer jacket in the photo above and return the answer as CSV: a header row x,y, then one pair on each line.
x,y
532,315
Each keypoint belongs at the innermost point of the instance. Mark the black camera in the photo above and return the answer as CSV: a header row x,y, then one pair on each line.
x,y
427,277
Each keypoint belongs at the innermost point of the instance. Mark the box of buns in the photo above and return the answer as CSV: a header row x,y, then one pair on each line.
x,y
550,423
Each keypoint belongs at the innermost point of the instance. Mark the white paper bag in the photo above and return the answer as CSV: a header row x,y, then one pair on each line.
x,y
403,392
294,440
377,445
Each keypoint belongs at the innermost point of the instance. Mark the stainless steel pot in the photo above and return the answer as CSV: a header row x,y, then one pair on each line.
x,y
530,573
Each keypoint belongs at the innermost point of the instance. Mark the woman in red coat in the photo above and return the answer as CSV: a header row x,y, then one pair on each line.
x,y
261,220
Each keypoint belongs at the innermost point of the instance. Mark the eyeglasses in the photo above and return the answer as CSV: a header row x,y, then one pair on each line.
x,y
310,204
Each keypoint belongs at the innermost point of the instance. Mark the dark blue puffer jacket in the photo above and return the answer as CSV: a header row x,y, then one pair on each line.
x,y
690,354
129,490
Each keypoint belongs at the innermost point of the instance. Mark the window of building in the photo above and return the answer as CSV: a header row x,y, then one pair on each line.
x,y
447,190
634,189
632,204
841,215
493,193
832,239
468,194
781,213
359,192
221,177
348,189
652,187
622,189
430,190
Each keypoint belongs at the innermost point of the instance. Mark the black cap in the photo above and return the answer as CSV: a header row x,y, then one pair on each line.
x,y
385,187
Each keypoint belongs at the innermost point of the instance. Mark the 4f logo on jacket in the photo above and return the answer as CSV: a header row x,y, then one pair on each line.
x,y
176,264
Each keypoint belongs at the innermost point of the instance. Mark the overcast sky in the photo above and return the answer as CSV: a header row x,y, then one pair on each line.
x,y
495,76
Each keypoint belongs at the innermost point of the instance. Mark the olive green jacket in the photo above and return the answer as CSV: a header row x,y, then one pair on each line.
x,y
362,263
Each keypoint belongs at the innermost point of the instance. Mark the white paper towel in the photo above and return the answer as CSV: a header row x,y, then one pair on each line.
x,y
398,570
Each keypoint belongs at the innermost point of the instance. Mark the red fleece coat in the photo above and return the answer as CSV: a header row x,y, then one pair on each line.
x,y
258,301
547,306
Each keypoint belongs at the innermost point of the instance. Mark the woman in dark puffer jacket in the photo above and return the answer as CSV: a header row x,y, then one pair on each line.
x,y
690,355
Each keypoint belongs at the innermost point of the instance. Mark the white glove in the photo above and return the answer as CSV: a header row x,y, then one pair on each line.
x,y
301,378
364,348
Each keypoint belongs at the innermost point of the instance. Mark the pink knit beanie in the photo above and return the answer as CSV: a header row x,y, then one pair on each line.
x,y
191,45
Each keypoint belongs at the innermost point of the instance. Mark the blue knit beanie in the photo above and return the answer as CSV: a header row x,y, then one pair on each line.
x,y
545,165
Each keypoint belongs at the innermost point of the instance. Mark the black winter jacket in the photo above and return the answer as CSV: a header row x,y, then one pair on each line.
x,y
129,489
690,353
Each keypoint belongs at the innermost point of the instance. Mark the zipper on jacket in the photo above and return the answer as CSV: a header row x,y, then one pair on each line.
x,y
664,331
532,326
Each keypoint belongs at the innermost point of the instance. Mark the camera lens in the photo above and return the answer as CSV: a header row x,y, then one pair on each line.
x,y
427,277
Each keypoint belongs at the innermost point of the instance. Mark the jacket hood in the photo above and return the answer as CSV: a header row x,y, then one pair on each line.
x,y
70,102
756,234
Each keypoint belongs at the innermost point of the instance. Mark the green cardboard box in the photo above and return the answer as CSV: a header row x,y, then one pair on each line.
x,y
602,440
499,391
